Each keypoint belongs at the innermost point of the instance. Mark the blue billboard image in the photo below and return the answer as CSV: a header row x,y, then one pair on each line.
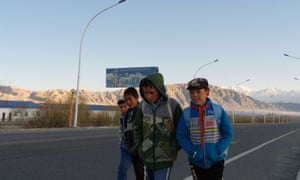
x,y
127,77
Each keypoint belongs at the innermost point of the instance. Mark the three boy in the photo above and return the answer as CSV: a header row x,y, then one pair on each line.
x,y
160,129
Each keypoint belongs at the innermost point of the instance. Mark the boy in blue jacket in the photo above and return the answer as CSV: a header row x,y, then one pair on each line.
x,y
204,132
125,160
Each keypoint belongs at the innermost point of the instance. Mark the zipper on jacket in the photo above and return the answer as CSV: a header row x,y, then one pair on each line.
x,y
202,113
154,129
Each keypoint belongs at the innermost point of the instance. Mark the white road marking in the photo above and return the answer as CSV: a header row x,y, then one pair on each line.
x,y
230,160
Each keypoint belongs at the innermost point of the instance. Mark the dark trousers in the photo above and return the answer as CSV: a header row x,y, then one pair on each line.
x,y
161,174
128,159
213,173
138,166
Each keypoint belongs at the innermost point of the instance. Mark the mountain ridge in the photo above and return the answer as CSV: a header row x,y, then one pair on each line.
x,y
231,100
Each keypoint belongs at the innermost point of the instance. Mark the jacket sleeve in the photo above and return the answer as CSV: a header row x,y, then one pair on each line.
x,y
226,133
183,137
138,130
176,118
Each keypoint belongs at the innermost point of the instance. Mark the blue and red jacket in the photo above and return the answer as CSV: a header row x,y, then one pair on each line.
x,y
204,133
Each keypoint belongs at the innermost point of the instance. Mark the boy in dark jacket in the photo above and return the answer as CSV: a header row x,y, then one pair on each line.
x,y
132,99
155,125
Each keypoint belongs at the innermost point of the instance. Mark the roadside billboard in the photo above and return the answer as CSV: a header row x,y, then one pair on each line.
x,y
127,77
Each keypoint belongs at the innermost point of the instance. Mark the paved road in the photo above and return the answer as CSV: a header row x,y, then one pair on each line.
x,y
93,153
273,153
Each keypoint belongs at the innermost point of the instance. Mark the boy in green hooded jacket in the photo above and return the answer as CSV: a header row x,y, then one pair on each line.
x,y
155,127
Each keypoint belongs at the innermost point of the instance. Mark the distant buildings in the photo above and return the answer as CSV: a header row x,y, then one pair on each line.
x,y
24,110
15,110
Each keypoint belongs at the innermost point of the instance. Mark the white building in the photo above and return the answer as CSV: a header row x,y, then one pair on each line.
x,y
17,110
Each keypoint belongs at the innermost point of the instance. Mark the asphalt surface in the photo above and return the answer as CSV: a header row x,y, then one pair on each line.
x,y
275,155
258,151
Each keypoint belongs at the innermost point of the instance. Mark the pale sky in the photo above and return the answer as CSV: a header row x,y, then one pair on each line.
x,y
40,39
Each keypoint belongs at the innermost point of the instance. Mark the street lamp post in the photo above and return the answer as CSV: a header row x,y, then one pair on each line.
x,y
204,66
242,82
269,101
79,61
71,108
287,55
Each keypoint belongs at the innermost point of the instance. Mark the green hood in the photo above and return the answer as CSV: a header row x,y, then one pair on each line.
x,y
158,81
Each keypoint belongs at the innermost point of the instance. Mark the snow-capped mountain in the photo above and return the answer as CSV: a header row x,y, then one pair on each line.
x,y
271,95
241,89
277,95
